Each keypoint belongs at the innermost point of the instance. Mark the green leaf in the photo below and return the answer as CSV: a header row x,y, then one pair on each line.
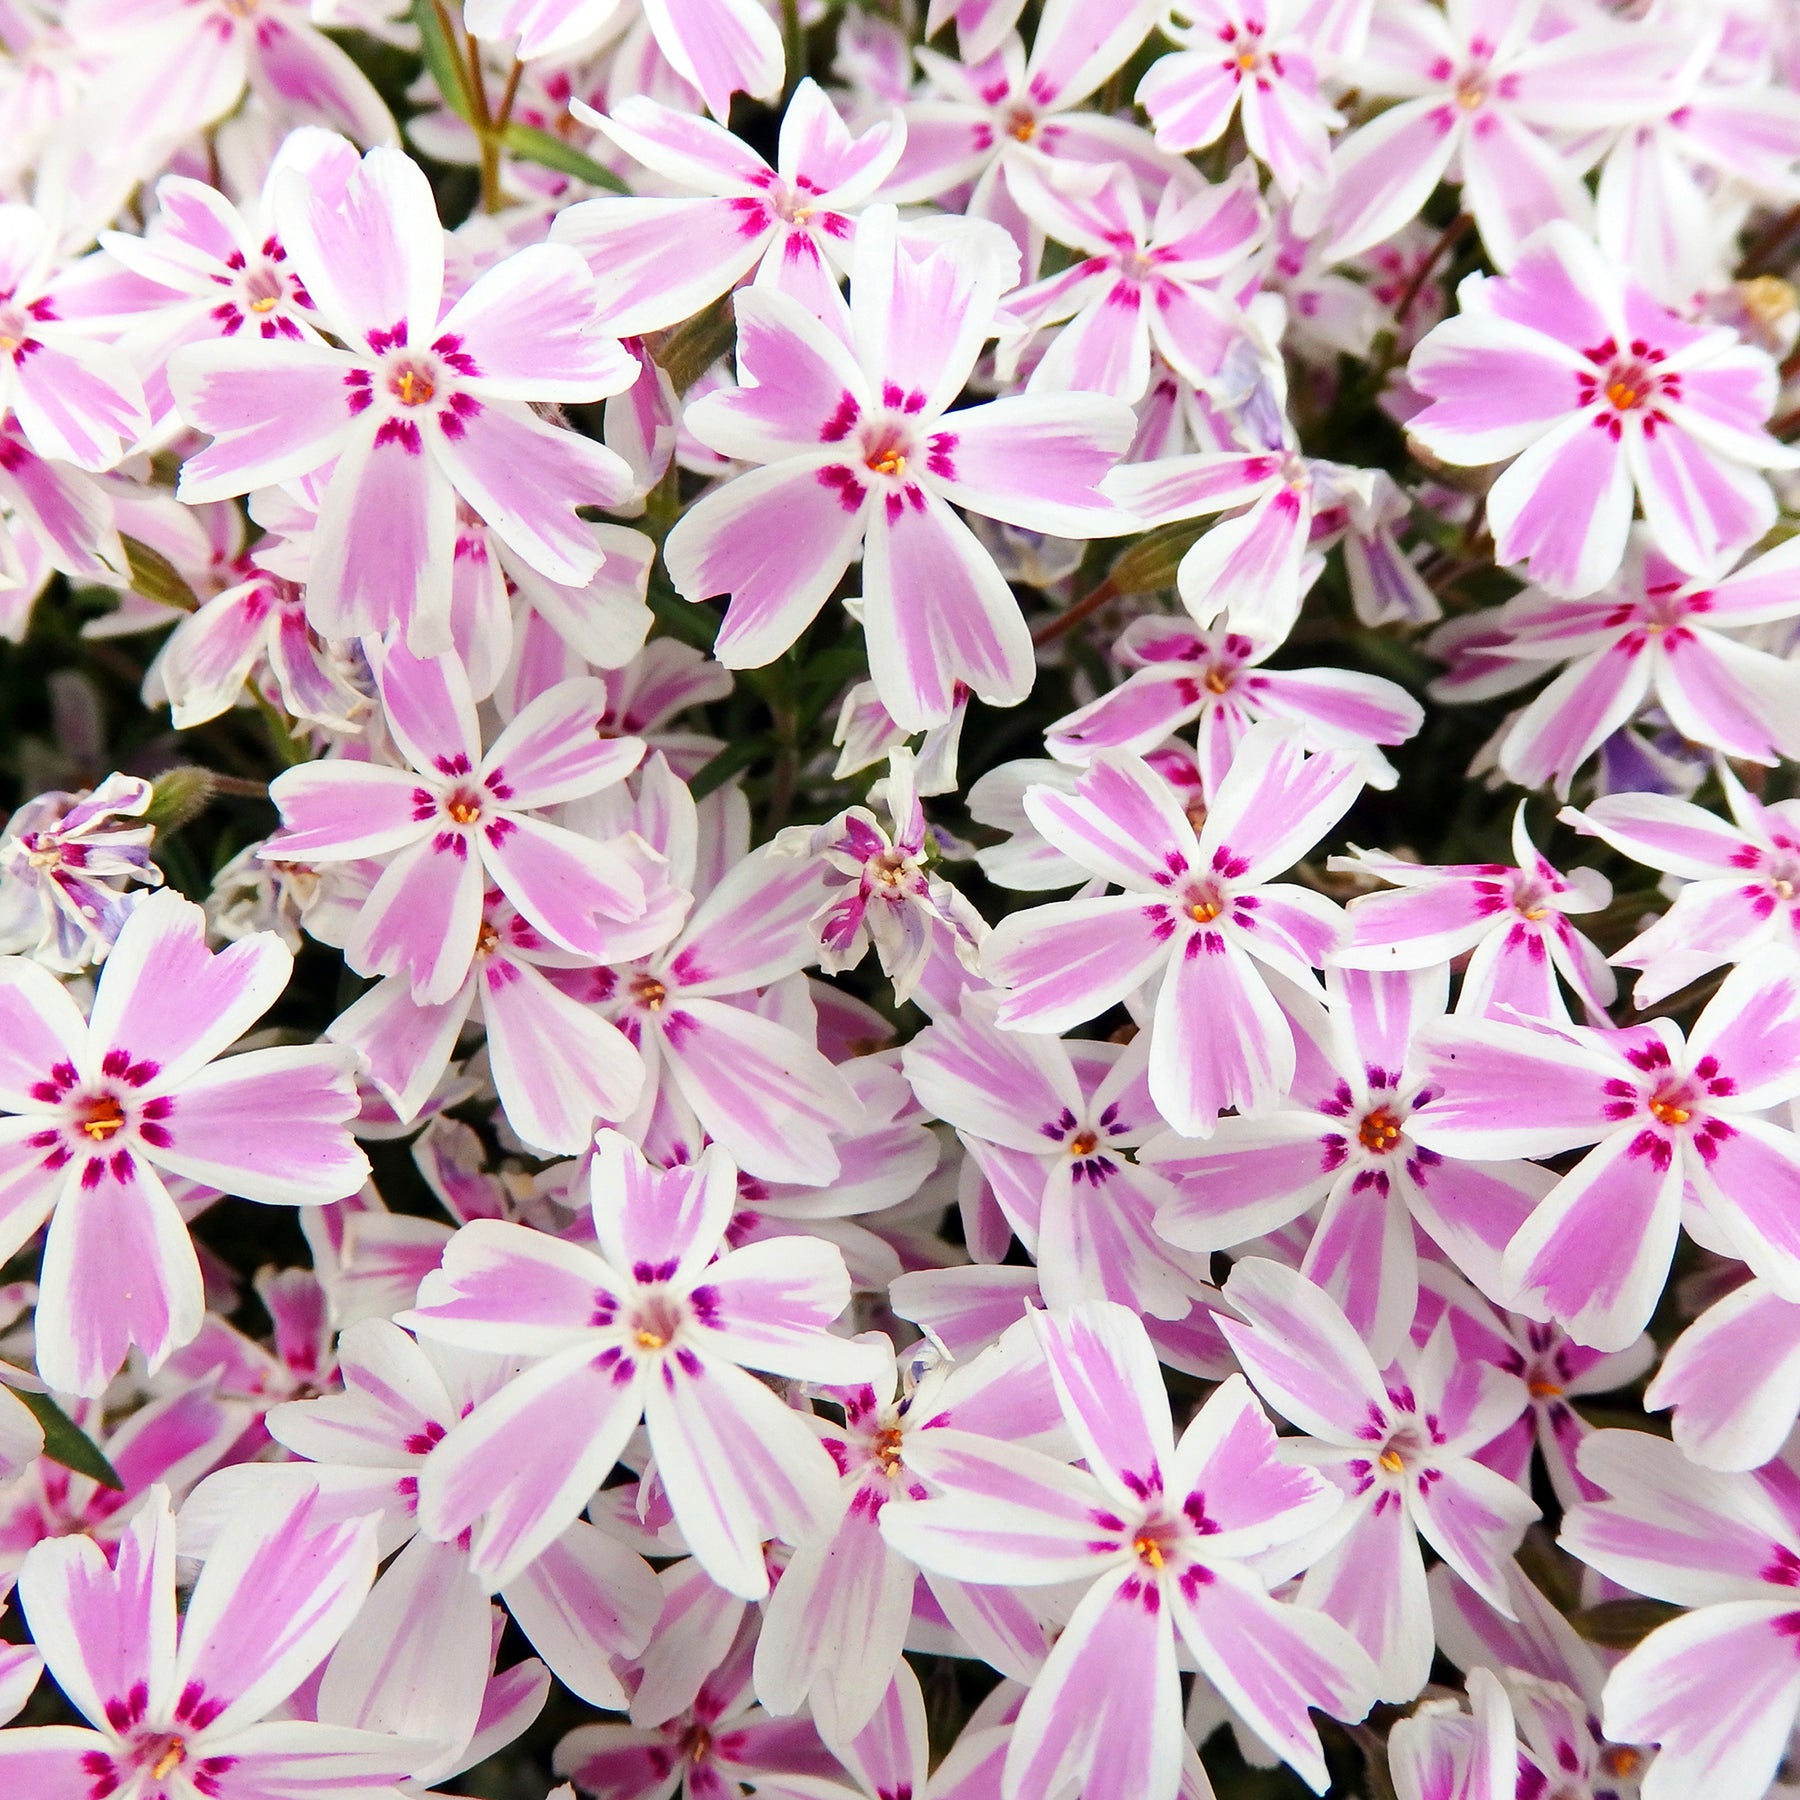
x,y
156,578
441,58
66,1443
545,147
726,764
1622,1624
699,625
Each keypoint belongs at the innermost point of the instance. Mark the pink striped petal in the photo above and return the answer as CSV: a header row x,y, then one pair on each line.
x,y
738,1467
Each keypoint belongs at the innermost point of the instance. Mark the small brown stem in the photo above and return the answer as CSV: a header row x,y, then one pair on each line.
x,y
1448,238
1084,608
503,117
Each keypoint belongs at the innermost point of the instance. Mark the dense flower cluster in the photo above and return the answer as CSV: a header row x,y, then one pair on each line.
x,y
729,1106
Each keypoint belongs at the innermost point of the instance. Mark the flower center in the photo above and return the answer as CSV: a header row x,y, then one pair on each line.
x,y
1218,681
649,993
1621,1760
463,809
102,1117
1084,1143
1021,123
1392,1461
1669,1112
487,940
886,1448
1379,1131
1203,912
1541,1389
1470,95
889,461
657,1320
411,384
173,1756
1147,1549
1623,395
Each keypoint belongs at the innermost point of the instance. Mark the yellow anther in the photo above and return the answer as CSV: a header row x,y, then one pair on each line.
x,y
650,1340
1622,394
1084,1144
1203,912
170,1760
1392,1461
1149,1550
104,1117
1669,1113
889,462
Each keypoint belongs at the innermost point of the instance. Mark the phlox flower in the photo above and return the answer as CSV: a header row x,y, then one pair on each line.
x,y
178,66
715,47
1162,284
1651,636
420,406
835,1626
53,516
1555,1369
456,819
659,261
977,115
1401,1443
1552,1676
1719,1687
66,863
1666,1112
1198,911
1739,893
695,1008
1484,93
879,888
1669,187
1511,922
1255,565
861,457
1182,674
75,397
655,1326
1342,1142
1054,1128
721,1745
1732,1380
1439,1752
1165,1537
557,1065
179,1709
204,269
416,1660
258,625
170,1441
1589,390
103,1106
1254,59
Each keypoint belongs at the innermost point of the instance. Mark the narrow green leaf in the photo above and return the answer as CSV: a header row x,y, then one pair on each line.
x,y
725,765
545,147
699,625
441,58
66,1443
156,578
